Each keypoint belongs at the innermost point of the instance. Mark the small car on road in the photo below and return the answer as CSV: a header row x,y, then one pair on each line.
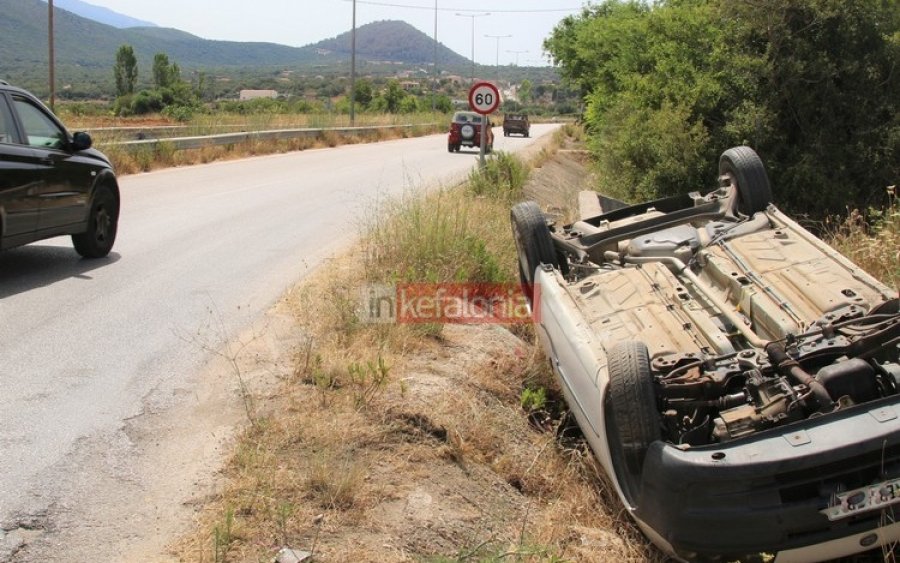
x,y
52,182
516,123
737,378
465,131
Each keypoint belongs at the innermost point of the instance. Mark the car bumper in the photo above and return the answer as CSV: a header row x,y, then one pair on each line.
x,y
768,494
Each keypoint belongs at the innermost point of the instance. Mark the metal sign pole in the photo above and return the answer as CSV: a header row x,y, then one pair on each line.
x,y
484,123
484,98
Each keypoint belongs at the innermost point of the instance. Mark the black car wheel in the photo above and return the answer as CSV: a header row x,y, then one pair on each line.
x,y
745,166
632,418
533,243
103,221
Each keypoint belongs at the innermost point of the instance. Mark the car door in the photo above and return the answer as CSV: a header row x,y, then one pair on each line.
x,y
20,181
66,182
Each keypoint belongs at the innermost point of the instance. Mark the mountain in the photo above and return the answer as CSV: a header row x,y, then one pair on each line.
x,y
395,41
100,14
85,50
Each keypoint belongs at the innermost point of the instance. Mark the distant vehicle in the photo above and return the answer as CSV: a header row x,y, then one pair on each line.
x,y
736,377
516,123
52,183
465,131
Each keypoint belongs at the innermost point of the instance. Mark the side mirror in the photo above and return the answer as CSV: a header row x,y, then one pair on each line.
x,y
81,141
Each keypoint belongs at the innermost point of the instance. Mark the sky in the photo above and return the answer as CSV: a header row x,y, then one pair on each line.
x,y
301,22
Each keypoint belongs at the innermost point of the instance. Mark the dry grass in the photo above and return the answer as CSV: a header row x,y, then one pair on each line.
x,y
390,443
871,239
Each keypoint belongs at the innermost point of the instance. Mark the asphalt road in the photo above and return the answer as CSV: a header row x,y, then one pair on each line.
x,y
202,253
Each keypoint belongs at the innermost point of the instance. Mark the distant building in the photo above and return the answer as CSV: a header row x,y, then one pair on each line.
x,y
253,94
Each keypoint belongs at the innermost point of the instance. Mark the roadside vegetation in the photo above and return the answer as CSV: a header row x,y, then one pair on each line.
x,y
871,239
106,130
427,441
810,84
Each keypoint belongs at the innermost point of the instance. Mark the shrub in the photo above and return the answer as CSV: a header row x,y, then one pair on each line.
x,y
502,177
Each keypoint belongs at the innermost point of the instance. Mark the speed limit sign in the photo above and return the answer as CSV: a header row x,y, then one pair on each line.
x,y
484,98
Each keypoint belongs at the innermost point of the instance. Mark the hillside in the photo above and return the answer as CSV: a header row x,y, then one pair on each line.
x,y
85,49
89,44
100,14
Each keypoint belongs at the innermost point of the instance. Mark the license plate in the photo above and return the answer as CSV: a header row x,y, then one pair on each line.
x,y
865,499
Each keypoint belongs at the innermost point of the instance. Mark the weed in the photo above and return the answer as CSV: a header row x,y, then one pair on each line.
x,y
222,537
367,381
334,480
533,399
871,239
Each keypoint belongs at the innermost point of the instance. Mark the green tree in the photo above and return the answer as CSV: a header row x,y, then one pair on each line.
x,y
829,128
393,96
525,91
363,92
125,70
667,86
162,70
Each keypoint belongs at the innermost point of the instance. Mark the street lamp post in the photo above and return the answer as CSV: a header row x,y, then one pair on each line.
x,y
517,53
353,68
498,38
435,77
473,16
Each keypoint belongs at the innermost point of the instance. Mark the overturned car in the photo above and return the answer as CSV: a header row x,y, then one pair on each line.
x,y
737,378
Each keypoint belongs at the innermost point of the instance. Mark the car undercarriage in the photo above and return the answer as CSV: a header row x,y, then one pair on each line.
x,y
712,339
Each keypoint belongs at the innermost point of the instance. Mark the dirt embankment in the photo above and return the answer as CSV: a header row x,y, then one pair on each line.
x,y
411,443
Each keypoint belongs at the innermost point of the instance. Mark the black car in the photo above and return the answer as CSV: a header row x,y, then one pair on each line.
x,y
51,182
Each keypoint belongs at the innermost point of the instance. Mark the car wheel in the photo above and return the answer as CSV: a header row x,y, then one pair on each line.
x,y
98,239
632,419
745,166
450,148
467,131
533,244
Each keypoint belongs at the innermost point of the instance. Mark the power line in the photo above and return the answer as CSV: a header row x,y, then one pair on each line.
x,y
431,8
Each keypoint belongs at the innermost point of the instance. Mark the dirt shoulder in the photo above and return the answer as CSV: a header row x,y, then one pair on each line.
x,y
408,442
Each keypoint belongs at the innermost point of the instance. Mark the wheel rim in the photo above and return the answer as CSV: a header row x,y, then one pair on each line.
x,y
102,224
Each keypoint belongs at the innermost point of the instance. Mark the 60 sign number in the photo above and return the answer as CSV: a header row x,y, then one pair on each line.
x,y
484,98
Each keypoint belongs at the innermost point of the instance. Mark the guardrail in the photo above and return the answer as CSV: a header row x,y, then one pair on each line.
x,y
181,143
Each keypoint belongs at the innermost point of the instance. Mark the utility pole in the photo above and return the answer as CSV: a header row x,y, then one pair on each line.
x,y
435,70
52,55
473,16
498,38
353,68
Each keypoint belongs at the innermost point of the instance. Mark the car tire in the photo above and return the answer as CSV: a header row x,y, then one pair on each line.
x,y
745,166
533,243
450,148
467,131
632,417
98,239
